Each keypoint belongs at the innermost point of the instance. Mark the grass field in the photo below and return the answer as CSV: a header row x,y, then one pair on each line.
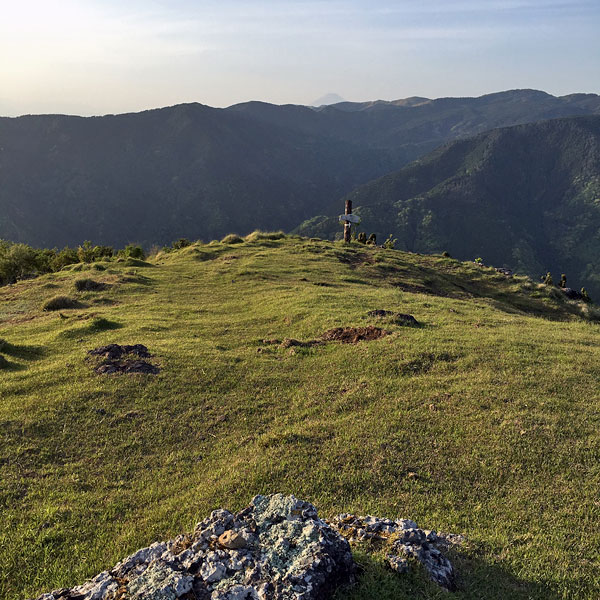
x,y
484,421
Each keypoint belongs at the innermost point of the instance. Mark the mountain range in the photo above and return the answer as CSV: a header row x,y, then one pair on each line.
x,y
200,172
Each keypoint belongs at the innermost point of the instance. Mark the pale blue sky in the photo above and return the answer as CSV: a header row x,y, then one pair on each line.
x,y
95,57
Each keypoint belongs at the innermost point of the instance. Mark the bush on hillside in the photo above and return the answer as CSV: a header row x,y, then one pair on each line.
x,y
390,243
60,303
132,251
181,243
17,261
62,258
85,252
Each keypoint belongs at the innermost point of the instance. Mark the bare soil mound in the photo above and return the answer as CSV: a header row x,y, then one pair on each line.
x,y
353,335
122,359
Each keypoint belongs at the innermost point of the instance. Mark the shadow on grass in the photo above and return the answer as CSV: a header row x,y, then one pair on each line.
x,y
465,286
7,365
96,325
139,279
22,352
476,579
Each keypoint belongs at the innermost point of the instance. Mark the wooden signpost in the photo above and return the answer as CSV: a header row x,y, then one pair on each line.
x,y
347,219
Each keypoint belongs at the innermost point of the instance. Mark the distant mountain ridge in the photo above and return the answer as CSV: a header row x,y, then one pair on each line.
x,y
525,197
327,99
201,172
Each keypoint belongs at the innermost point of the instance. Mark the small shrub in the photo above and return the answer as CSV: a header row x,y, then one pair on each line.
x,y
390,243
85,252
60,303
232,238
103,252
62,258
585,295
181,243
446,254
478,261
132,251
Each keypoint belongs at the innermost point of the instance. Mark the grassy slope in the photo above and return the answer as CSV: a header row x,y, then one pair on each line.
x,y
493,404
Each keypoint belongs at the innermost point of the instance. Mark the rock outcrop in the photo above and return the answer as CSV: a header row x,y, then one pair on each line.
x,y
403,540
275,549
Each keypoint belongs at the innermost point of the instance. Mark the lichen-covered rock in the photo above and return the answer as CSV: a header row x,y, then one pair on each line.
x,y
275,549
160,581
403,540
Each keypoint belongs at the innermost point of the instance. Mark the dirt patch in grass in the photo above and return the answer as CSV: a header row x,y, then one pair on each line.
x,y
353,335
291,343
115,358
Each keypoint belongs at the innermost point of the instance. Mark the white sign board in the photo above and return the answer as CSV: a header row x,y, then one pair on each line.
x,y
350,218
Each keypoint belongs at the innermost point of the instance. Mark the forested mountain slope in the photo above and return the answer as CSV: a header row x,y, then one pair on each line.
x,y
525,197
195,171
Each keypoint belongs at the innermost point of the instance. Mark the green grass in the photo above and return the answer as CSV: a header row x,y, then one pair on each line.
x,y
493,403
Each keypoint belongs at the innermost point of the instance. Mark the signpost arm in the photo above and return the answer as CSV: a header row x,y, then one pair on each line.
x,y
347,224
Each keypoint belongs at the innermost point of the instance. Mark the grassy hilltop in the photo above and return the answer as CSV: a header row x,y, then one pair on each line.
x,y
483,421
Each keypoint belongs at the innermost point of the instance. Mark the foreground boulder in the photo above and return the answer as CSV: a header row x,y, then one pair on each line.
x,y
277,549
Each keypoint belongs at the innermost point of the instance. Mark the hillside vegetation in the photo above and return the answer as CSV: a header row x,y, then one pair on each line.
x,y
198,171
524,197
482,421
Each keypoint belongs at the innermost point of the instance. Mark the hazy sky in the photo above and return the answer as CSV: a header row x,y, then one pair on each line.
x,y
107,56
